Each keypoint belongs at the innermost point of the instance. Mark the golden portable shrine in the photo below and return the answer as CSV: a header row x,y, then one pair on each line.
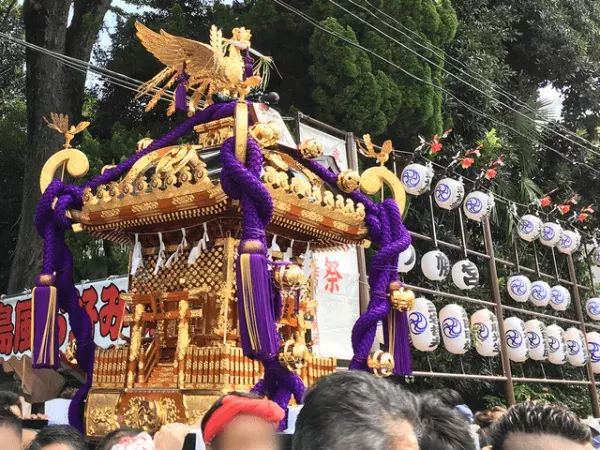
x,y
209,309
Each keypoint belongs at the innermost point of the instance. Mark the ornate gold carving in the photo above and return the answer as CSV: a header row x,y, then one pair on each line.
x,y
71,351
101,412
382,154
102,417
144,207
176,159
340,226
75,162
266,134
183,200
110,213
348,181
60,123
311,215
143,144
311,148
196,406
381,363
150,414
401,299
293,355
373,179
183,341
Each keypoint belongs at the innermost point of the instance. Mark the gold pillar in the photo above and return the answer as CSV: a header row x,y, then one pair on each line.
x,y
183,341
135,343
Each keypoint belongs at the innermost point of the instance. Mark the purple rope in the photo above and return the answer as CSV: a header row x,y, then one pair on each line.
x,y
248,65
52,223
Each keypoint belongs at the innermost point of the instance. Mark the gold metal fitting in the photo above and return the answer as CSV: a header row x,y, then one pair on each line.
x,y
266,134
401,299
381,363
71,351
348,181
290,277
293,355
311,148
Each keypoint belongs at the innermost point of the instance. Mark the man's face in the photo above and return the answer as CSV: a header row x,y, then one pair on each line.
x,y
247,432
10,439
405,437
524,441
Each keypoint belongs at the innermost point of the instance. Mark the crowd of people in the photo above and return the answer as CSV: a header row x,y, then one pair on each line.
x,y
343,411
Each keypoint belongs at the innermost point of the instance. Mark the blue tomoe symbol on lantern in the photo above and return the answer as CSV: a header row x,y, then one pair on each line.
x,y
514,339
443,192
557,297
573,347
594,349
553,344
518,287
474,205
417,322
526,226
594,308
452,327
548,233
482,330
539,293
534,339
566,241
411,178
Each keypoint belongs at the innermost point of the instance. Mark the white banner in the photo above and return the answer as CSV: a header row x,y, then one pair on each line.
x,y
338,277
100,299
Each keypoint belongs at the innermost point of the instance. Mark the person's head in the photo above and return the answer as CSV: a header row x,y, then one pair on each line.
x,y
484,419
354,410
242,421
536,426
10,431
448,397
61,437
10,401
114,437
442,428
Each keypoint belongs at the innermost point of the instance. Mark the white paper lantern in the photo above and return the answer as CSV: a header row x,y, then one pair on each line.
x,y
519,288
592,307
560,298
435,265
478,205
538,340
540,293
456,333
424,325
596,256
551,234
593,345
529,228
516,339
465,275
416,178
570,242
484,326
407,260
577,352
449,193
556,345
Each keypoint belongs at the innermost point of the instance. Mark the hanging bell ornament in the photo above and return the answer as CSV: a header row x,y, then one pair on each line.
x,y
381,363
311,148
400,298
416,178
348,181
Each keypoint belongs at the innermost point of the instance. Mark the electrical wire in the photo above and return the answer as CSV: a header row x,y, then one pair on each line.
x,y
443,90
454,62
466,83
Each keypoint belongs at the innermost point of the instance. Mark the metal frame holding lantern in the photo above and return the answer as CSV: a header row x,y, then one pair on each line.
x,y
222,233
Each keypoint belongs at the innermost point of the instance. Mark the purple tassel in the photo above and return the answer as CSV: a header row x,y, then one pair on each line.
x,y
248,65
45,349
397,342
181,93
258,329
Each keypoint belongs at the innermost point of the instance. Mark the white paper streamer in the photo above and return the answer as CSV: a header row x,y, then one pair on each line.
x,y
136,258
178,252
160,262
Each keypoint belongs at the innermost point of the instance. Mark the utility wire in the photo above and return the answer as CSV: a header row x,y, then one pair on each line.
x,y
456,63
444,70
445,91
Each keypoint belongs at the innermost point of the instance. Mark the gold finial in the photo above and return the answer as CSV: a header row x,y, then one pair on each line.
x,y
311,148
266,134
348,181
382,155
60,123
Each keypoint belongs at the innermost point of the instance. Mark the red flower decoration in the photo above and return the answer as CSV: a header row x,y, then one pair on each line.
x,y
436,147
491,173
582,217
564,209
545,201
467,162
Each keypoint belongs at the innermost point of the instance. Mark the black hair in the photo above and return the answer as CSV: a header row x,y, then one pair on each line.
x,y
8,399
216,405
60,434
353,410
115,436
449,397
12,422
538,418
443,428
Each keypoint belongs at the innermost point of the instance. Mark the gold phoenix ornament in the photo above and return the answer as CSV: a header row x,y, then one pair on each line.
x,y
381,155
218,67
60,123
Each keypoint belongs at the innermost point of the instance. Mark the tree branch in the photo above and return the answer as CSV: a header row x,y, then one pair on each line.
x,y
7,14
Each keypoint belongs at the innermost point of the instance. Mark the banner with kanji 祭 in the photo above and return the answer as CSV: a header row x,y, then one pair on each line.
x,y
337,290
101,299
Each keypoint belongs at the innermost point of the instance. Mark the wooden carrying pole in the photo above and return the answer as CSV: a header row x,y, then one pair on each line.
x,y
577,302
489,248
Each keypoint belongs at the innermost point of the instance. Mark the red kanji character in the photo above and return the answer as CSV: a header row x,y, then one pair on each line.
x,y
88,299
6,329
22,326
336,155
332,275
111,314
